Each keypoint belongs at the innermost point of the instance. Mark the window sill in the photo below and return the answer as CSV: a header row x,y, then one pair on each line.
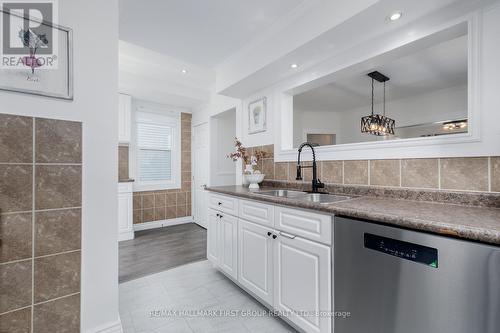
x,y
140,187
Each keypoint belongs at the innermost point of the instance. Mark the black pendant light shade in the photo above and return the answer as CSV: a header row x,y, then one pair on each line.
x,y
377,124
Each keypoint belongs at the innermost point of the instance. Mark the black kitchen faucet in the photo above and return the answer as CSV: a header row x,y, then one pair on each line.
x,y
316,183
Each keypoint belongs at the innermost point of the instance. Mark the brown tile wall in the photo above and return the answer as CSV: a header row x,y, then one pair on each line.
x,y
480,174
152,206
123,171
40,224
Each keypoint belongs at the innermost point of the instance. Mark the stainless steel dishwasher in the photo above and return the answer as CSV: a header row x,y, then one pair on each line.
x,y
391,280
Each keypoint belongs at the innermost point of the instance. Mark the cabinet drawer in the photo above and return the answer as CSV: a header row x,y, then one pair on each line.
x,y
309,225
257,212
224,204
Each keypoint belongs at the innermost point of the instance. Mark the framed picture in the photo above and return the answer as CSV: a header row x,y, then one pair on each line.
x,y
257,116
36,61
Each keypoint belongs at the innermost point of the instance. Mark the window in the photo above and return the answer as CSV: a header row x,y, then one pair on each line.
x,y
157,151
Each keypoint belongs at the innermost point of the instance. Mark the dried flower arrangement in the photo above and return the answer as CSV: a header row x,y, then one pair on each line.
x,y
242,153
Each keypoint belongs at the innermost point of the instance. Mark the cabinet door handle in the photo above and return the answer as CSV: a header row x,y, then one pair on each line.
x,y
269,233
274,236
284,234
219,203
221,216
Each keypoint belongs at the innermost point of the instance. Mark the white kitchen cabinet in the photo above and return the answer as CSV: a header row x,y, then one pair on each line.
x,y
228,244
212,237
222,242
124,118
303,282
255,259
125,210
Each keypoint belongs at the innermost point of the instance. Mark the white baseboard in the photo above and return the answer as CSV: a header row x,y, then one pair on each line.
x,y
162,223
115,327
128,235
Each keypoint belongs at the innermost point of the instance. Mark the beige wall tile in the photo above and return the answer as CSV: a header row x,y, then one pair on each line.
x,y
57,231
16,322
123,173
186,187
356,172
171,199
15,188
58,141
495,174
137,216
15,237
186,116
61,316
57,276
16,139
385,173
58,186
269,150
186,176
281,171
15,285
160,199
137,201
331,172
181,199
420,173
292,171
148,214
181,211
469,174
171,212
268,168
160,213
148,201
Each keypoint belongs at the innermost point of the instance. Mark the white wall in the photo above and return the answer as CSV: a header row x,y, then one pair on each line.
x,y
319,122
487,131
95,27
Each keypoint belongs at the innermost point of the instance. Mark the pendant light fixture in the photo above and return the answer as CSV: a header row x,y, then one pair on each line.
x,y
377,124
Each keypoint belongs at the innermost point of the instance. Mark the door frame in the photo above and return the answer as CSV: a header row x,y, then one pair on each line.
x,y
194,163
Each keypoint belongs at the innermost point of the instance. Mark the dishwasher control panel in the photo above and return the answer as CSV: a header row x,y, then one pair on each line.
x,y
404,250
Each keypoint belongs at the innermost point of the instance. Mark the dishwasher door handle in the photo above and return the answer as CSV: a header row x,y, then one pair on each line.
x,y
284,234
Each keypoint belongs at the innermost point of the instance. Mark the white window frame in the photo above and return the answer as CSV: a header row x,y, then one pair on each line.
x,y
172,119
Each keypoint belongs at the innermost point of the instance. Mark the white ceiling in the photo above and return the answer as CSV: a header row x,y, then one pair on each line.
x,y
438,67
201,32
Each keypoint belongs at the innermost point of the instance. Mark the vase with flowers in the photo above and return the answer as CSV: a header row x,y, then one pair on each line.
x,y
250,160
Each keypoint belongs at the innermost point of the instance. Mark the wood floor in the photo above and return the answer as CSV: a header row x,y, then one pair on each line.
x,y
156,250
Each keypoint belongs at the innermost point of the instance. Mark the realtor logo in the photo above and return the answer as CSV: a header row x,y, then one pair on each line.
x,y
28,38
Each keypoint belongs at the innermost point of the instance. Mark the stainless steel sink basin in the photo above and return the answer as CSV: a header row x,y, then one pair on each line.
x,y
321,198
282,193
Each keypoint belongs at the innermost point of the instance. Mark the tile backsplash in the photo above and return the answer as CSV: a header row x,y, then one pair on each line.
x,y
481,174
152,206
40,224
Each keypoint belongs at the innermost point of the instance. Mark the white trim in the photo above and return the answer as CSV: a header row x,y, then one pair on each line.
x,y
128,235
162,223
114,327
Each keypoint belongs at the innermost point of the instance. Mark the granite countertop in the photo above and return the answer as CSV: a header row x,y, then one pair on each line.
x,y
467,222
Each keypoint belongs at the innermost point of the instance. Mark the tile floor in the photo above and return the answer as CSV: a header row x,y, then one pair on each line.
x,y
195,286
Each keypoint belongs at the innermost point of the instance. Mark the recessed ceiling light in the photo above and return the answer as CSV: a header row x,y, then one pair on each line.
x,y
395,16
294,66
184,71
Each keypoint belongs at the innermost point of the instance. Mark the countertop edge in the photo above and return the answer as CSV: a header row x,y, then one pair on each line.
x,y
465,232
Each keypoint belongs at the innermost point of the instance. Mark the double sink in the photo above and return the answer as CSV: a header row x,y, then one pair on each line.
x,y
320,198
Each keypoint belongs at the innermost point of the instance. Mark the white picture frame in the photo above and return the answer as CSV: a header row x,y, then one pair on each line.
x,y
257,116
56,83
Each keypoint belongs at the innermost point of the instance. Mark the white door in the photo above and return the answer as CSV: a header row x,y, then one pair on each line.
x,y
302,281
201,162
255,259
228,244
213,237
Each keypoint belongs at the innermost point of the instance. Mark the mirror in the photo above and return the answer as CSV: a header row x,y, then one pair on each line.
x,y
426,94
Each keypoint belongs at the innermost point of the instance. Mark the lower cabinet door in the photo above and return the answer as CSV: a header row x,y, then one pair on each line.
x,y
228,244
303,282
213,237
255,260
